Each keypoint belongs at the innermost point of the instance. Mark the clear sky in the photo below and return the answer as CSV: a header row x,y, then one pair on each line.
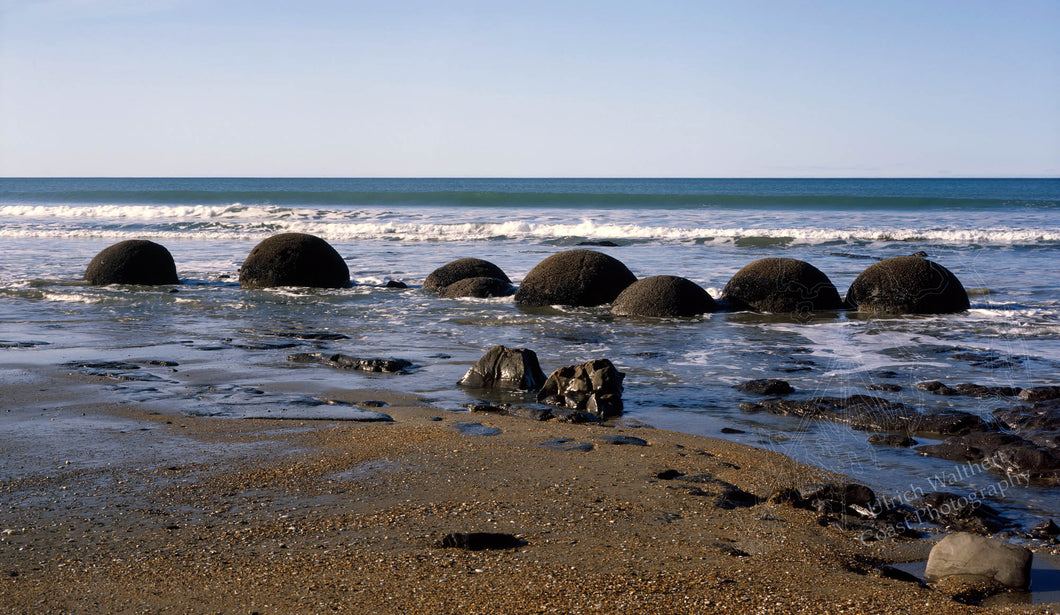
x,y
734,88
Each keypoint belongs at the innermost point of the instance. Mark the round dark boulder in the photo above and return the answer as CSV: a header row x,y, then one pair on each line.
x,y
294,259
136,261
574,277
907,285
481,288
462,269
663,296
781,285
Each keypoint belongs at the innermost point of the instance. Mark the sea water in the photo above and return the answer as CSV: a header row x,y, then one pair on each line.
x,y
1000,237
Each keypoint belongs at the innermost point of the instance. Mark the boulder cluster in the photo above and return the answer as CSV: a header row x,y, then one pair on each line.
x,y
579,277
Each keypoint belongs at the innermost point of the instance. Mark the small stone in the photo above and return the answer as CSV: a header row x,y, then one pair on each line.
x,y
765,386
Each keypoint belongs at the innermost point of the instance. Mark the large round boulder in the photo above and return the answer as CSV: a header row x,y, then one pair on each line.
x,y
781,285
663,296
461,269
907,285
480,288
574,277
136,261
967,554
294,259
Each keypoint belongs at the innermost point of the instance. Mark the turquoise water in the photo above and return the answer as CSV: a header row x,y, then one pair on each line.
x,y
1000,237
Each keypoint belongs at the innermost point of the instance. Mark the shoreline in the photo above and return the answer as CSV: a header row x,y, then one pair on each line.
x,y
123,509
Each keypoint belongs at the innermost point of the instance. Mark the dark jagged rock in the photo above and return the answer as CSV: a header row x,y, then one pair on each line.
x,y
574,417
347,362
1039,423
868,413
136,261
1046,529
895,440
294,259
969,389
594,387
1042,393
883,386
1001,453
663,296
765,386
935,388
781,285
620,440
479,288
960,513
461,269
907,285
837,497
575,277
480,541
505,368
970,447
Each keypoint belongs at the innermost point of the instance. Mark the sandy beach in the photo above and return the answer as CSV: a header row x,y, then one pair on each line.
x,y
121,509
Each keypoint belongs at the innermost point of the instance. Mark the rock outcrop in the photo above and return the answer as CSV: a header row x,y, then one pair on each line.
x,y
594,387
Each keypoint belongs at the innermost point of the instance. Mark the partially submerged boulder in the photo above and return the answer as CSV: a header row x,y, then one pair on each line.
x,y
575,277
135,261
663,296
595,387
294,259
461,269
781,285
479,288
967,554
907,285
505,368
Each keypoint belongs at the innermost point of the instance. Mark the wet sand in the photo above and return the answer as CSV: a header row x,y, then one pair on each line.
x,y
118,508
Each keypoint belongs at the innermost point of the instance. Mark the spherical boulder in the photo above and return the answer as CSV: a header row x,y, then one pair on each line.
x,y
136,261
480,288
461,269
907,285
663,296
294,259
575,277
781,285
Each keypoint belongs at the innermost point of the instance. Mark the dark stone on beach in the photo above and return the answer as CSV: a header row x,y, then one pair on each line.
x,y
730,550
959,513
506,368
907,285
1042,393
733,497
620,440
781,285
883,386
970,447
135,261
668,474
1046,529
731,430
575,277
836,497
574,417
935,388
480,541
475,429
486,408
566,444
765,386
479,288
461,269
533,414
895,440
663,296
967,555
347,362
294,259
594,387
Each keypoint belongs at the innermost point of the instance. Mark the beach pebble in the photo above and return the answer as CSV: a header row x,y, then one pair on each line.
x,y
907,285
294,259
663,296
136,261
461,269
781,285
575,277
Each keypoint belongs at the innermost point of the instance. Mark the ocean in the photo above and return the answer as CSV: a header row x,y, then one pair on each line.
x,y
1001,237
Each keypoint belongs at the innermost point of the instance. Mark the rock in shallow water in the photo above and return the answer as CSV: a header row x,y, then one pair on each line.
x,y
993,560
594,387
663,296
907,285
294,259
347,362
781,285
506,368
575,277
461,269
136,261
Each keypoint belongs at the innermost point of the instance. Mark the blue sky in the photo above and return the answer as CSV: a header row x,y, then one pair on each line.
x,y
529,89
